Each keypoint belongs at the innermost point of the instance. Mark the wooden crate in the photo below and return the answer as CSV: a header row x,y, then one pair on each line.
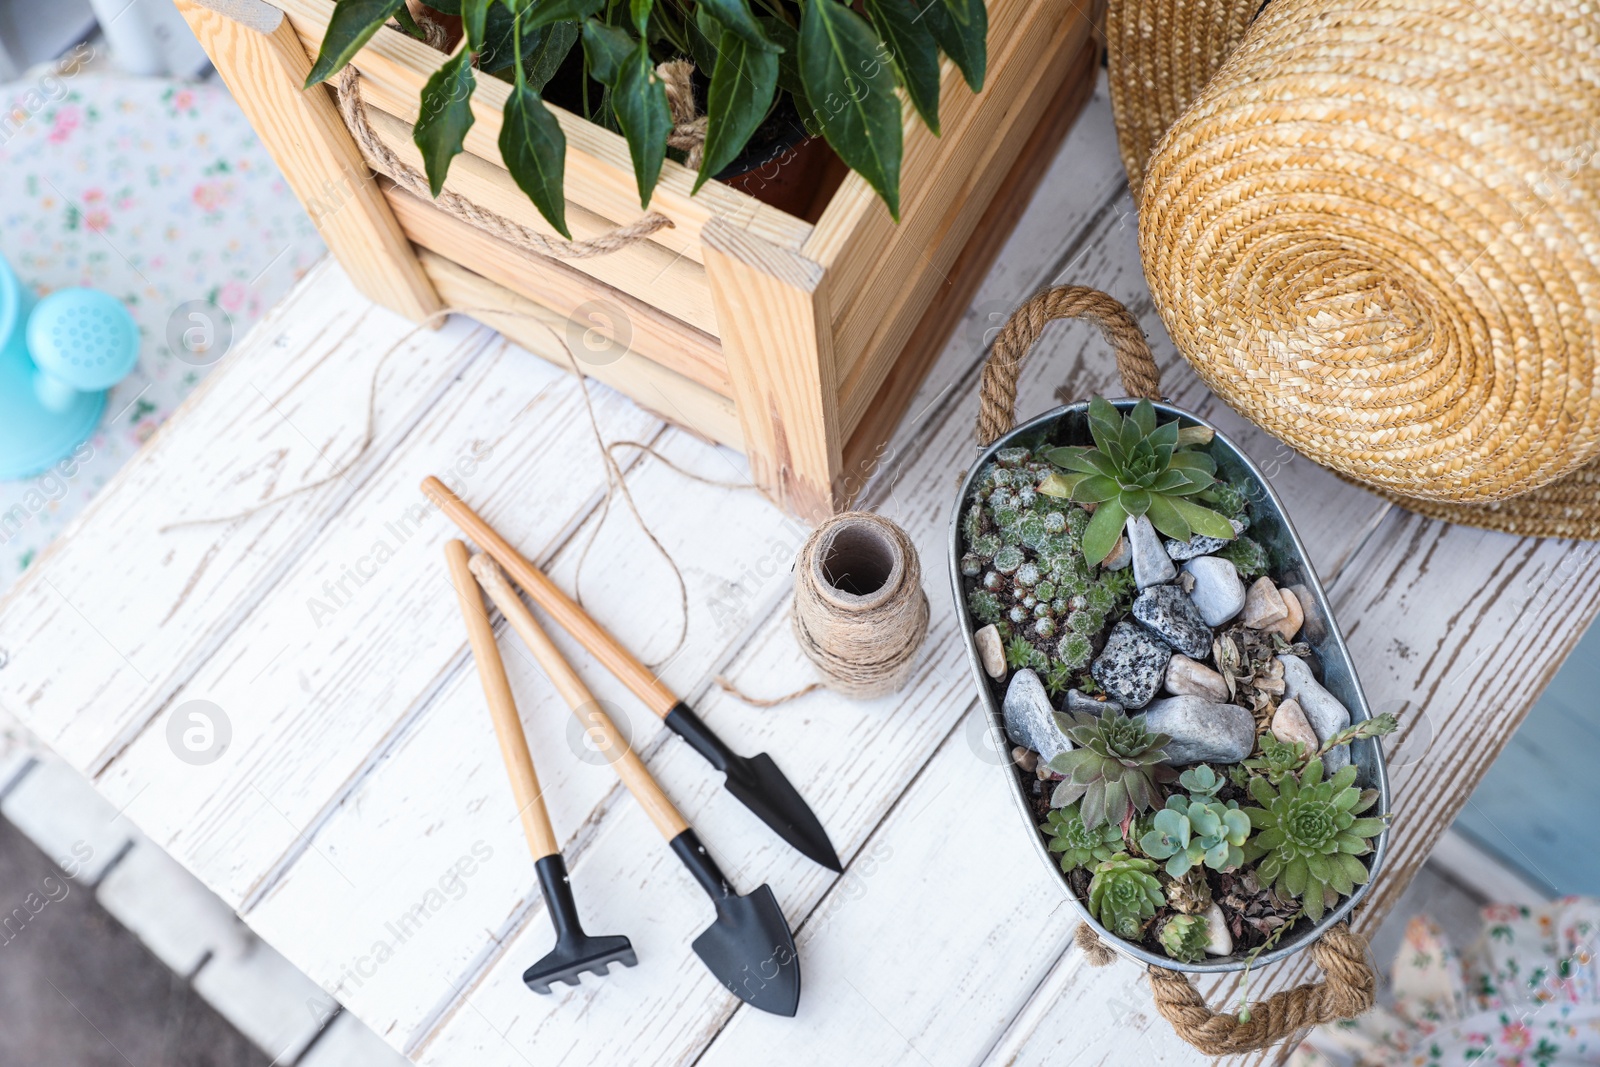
x,y
798,343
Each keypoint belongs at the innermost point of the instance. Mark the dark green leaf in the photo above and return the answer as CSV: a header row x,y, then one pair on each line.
x,y
1166,435
551,45
789,79
851,92
536,13
742,86
535,150
608,50
735,17
913,51
640,103
474,18
446,116
704,33
1195,461
446,7
1101,536
409,24
352,25
961,27
641,15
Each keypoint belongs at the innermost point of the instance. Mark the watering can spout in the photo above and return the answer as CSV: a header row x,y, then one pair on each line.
x,y
57,359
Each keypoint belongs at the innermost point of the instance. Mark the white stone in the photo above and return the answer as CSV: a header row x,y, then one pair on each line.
x,y
1030,717
1220,938
1217,592
1151,564
1264,605
1202,731
991,650
1190,677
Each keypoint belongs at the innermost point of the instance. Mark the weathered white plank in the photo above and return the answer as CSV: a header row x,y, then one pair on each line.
x,y
400,833
331,662
117,614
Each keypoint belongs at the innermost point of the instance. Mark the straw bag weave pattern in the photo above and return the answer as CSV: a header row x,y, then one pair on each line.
x,y
1376,232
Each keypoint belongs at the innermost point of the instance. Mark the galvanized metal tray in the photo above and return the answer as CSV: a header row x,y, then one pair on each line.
x,y
1289,566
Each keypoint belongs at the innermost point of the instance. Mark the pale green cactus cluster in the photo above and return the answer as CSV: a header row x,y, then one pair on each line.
x,y
1030,576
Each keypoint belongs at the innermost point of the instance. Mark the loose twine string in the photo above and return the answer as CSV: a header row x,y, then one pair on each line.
x,y
839,637
1349,986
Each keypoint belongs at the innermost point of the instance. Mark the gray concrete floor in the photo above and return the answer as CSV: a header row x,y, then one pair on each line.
x,y
77,988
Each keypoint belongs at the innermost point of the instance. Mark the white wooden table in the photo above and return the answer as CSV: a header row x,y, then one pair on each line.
x,y
360,819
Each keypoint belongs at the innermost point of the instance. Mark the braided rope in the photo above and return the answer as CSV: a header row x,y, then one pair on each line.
x,y
998,392
1348,988
381,158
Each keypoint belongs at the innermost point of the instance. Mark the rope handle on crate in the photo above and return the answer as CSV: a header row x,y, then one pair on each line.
x,y
997,399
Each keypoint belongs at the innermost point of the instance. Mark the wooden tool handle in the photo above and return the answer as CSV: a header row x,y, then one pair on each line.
x,y
623,759
571,618
502,707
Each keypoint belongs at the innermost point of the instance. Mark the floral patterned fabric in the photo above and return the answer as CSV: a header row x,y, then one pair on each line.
x,y
159,193
1527,995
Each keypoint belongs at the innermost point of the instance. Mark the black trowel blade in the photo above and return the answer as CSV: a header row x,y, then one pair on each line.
x,y
751,951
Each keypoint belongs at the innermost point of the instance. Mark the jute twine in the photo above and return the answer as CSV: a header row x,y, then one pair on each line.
x,y
1373,227
381,158
1349,988
860,613
1350,983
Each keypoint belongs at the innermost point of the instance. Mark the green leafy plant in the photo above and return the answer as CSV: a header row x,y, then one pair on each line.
x,y
1137,468
837,65
1310,835
1075,844
1124,894
1185,937
1115,770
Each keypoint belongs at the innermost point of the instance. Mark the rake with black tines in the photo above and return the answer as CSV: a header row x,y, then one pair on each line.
x,y
575,951
749,948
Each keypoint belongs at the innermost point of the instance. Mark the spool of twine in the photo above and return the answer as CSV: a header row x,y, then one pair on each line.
x,y
859,610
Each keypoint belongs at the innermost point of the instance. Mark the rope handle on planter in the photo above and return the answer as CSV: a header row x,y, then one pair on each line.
x,y
997,399
1349,988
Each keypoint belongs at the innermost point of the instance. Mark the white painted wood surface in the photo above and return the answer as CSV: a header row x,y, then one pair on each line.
x,y
359,817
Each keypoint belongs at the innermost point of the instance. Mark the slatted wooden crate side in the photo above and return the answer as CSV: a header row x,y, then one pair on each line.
x,y
623,320
916,260
649,271
599,171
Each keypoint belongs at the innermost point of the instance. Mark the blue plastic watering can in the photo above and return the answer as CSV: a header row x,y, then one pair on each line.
x,y
58,356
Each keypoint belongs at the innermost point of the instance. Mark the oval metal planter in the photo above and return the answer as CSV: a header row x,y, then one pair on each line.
x,y
1270,526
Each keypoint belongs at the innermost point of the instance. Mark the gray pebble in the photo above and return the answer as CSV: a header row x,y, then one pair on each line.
x,y
1202,731
1151,564
1217,592
1131,666
1167,612
1030,718
1321,708
1079,703
1200,545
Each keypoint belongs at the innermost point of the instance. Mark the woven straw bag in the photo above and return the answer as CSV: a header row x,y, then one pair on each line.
x,y
1373,227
